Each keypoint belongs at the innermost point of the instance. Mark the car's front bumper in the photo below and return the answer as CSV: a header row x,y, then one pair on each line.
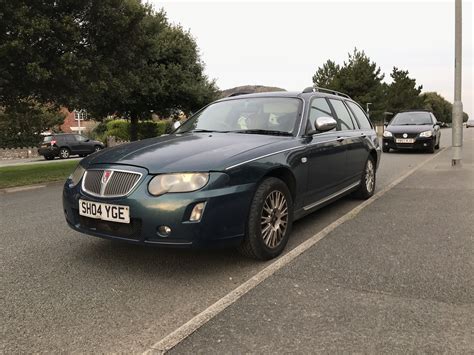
x,y
223,222
419,144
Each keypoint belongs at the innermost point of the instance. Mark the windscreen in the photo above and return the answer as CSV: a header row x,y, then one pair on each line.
x,y
412,118
267,115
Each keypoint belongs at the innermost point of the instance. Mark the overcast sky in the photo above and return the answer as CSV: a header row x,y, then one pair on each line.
x,y
283,43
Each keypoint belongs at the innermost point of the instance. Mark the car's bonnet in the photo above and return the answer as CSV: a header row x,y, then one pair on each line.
x,y
187,152
409,128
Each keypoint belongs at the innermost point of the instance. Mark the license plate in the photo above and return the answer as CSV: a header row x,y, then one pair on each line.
x,y
404,140
104,211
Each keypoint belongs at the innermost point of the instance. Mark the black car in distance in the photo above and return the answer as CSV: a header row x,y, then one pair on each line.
x,y
64,145
412,130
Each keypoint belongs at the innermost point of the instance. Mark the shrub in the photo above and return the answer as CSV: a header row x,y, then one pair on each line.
x,y
147,129
121,129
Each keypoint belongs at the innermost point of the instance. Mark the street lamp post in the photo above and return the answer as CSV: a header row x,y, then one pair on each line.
x,y
367,108
457,105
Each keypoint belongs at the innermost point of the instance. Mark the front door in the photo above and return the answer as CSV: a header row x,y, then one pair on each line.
x,y
326,154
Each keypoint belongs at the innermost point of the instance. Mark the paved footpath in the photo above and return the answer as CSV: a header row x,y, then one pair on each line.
x,y
399,278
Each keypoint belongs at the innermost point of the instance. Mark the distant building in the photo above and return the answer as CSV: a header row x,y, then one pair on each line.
x,y
76,122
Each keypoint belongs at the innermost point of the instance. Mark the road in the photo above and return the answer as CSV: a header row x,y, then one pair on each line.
x,y
63,291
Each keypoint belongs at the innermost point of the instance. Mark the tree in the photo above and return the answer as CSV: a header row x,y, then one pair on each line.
x,y
359,77
108,56
441,108
402,93
327,76
21,124
161,72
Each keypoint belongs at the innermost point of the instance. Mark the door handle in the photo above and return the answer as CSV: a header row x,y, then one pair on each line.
x,y
363,135
340,139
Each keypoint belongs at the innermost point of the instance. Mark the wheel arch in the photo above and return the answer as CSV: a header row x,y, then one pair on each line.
x,y
286,175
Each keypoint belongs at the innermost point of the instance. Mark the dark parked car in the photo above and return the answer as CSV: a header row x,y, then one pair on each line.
x,y
412,130
237,173
67,144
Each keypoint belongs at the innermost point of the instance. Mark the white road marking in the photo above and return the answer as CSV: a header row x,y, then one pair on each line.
x,y
181,333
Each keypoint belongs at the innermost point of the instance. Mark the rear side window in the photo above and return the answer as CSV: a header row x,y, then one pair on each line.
x,y
344,120
360,115
80,138
319,108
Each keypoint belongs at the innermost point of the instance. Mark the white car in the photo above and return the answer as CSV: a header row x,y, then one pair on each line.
x,y
470,123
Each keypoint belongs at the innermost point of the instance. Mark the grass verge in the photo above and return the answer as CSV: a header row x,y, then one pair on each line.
x,y
20,175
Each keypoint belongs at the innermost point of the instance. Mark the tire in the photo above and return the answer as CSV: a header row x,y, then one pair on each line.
x,y
262,241
49,157
432,149
439,141
97,148
64,153
367,181
385,149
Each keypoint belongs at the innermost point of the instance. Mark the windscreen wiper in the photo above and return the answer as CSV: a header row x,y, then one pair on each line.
x,y
263,131
205,131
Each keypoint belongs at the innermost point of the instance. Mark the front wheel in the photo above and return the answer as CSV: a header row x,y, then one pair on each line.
x,y
367,182
385,149
269,222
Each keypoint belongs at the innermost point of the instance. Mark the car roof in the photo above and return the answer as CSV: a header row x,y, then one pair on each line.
x,y
289,94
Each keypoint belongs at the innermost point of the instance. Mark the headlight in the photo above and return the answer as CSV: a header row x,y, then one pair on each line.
x,y
184,182
77,174
426,134
387,134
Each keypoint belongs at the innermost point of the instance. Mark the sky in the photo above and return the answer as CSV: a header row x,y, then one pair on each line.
x,y
282,43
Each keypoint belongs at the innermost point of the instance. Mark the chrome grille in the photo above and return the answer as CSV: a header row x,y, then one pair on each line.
x,y
119,183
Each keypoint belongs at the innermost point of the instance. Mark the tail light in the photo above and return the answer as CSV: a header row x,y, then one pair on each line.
x,y
53,142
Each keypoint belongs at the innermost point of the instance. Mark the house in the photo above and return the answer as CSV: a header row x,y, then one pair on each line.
x,y
77,122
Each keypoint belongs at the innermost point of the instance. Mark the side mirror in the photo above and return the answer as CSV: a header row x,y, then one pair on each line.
x,y
176,125
385,124
324,124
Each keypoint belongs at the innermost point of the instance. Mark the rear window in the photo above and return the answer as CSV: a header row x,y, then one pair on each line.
x,y
47,139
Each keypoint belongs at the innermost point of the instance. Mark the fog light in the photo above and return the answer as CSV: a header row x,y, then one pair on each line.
x,y
164,231
197,212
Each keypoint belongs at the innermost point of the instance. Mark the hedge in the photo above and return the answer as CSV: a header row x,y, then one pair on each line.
x,y
121,129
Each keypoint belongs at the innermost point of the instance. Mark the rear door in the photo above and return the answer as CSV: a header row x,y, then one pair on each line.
x,y
361,150
353,141
326,155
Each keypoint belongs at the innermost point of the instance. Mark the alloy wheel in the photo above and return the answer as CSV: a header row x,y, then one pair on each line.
x,y
274,219
369,176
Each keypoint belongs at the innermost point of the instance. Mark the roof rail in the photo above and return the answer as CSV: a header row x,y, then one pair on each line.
x,y
329,91
239,93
